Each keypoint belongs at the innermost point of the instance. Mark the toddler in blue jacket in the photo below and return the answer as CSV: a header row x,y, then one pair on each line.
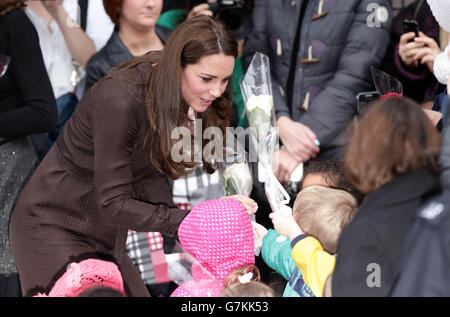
x,y
320,212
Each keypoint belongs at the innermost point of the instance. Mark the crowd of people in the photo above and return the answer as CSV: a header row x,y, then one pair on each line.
x,y
93,201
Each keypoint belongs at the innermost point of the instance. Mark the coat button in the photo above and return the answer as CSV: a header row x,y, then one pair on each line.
x,y
310,60
319,16
279,48
293,3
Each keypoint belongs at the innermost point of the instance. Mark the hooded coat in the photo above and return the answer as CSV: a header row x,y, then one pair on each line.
x,y
219,235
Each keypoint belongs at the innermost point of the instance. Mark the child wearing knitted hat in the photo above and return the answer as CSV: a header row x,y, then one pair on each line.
x,y
322,213
219,235
88,278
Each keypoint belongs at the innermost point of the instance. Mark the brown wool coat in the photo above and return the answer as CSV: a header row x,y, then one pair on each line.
x,y
94,184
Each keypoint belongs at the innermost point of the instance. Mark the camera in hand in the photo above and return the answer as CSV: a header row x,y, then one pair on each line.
x,y
234,15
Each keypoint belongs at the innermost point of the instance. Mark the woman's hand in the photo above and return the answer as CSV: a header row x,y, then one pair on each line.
x,y
80,46
54,7
200,9
285,225
284,165
428,53
298,139
407,50
249,204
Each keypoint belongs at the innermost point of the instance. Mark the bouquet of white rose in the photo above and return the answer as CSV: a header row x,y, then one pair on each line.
x,y
256,89
260,113
257,93
237,178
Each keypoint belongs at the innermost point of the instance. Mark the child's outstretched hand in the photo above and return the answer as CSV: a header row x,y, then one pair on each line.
x,y
249,204
261,232
285,225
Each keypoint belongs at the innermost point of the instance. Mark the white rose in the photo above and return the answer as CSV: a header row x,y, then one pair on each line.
x,y
264,102
241,174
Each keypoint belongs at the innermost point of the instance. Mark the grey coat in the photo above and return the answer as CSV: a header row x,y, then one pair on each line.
x,y
336,48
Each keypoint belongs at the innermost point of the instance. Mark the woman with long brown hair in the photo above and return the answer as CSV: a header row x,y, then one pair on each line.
x,y
107,171
392,158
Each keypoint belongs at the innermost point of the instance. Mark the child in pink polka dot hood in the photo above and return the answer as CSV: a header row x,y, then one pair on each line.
x,y
218,234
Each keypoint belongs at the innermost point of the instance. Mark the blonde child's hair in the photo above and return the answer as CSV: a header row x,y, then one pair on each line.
x,y
254,288
323,212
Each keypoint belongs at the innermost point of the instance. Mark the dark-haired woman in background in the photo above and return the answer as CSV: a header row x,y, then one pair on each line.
x,y
410,59
27,106
107,171
392,157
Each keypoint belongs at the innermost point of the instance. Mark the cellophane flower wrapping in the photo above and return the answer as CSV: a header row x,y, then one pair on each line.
x,y
256,88
237,178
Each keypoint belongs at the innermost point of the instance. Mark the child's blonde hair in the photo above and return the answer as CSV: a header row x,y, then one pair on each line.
x,y
323,212
233,287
